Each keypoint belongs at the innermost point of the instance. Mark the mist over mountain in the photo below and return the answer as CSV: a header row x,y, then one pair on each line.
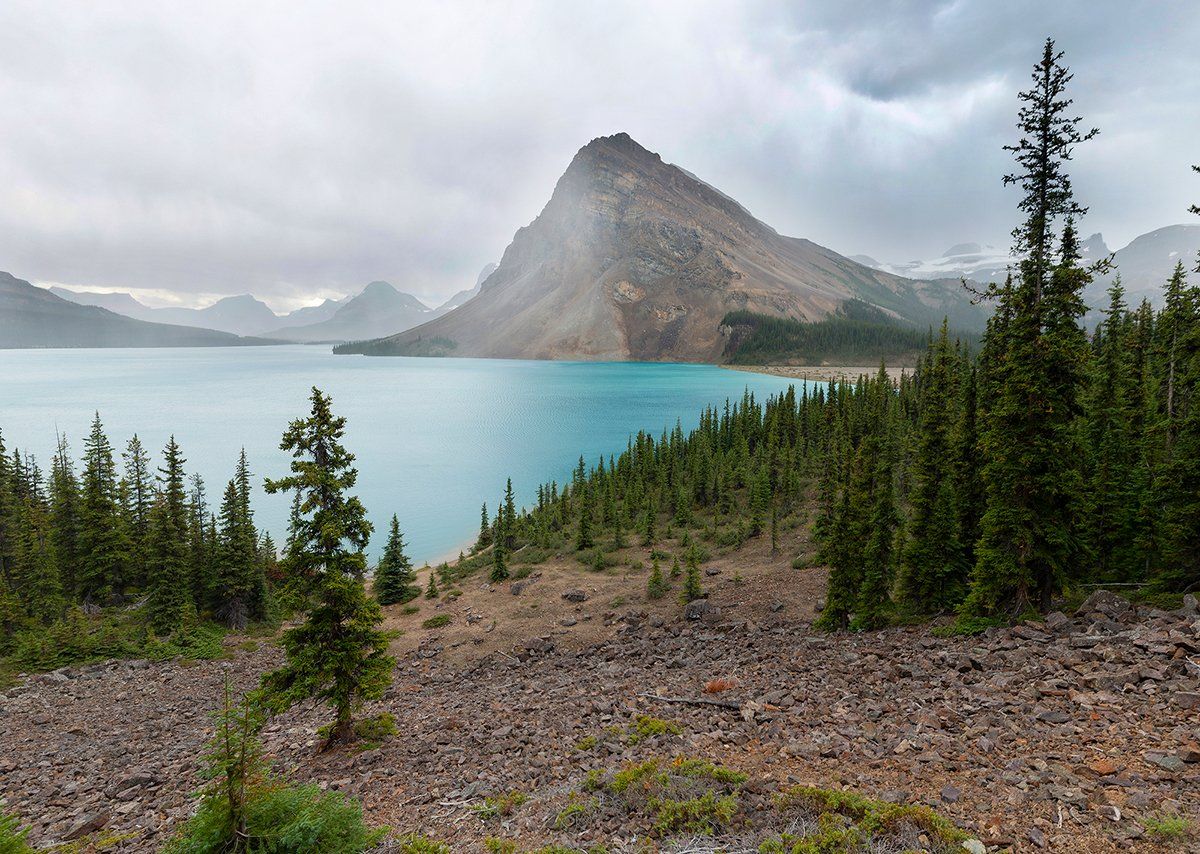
x,y
634,258
464,295
240,315
33,317
1144,265
379,309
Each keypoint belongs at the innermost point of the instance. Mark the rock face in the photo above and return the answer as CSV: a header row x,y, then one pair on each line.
x,y
634,258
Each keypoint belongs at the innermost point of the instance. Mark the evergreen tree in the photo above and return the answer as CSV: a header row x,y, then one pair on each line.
x,y
485,530
1112,501
499,565
394,576
656,586
691,584
431,589
40,588
509,518
1030,530
139,500
584,539
933,574
201,547
339,653
168,545
64,516
102,540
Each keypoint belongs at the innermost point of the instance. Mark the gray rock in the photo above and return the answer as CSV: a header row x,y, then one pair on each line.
x,y
696,609
1106,603
575,594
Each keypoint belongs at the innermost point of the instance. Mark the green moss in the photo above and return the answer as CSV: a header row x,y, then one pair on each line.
x,y
587,742
372,732
436,622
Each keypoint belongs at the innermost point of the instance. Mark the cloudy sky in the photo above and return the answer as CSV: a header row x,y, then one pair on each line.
x,y
183,151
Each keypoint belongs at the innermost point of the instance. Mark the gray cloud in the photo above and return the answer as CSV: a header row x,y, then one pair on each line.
x,y
303,149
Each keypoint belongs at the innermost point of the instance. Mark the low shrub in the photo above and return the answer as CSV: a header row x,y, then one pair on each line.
x,y
499,806
417,844
81,639
244,807
12,834
436,622
644,727
831,820
1162,826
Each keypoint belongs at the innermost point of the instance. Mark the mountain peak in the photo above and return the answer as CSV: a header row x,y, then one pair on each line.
x,y
636,258
380,286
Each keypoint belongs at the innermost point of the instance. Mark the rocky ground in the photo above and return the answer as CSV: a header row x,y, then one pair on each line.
x,y
1067,735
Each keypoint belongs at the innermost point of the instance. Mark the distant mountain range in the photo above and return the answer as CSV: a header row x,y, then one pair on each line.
x,y
634,258
1144,265
34,317
379,309
376,310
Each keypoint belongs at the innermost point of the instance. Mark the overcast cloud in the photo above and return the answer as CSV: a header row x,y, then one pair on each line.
x,y
296,150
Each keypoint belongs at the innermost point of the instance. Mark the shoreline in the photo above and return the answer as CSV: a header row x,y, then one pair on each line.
x,y
816,373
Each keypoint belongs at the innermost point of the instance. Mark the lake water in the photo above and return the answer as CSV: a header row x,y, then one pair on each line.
x,y
434,437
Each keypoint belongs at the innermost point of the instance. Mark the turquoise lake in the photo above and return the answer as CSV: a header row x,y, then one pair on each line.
x,y
434,437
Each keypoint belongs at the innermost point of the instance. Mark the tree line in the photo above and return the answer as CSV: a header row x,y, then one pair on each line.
x,y
859,334
101,533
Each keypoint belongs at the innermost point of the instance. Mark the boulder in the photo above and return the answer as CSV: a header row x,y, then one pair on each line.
x,y
1105,603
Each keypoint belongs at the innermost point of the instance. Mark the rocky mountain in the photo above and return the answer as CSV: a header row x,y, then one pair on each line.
x,y
1144,265
462,296
379,310
34,317
239,315
310,314
634,258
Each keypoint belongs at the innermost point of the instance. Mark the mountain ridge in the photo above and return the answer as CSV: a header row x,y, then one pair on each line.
x,y
33,317
635,258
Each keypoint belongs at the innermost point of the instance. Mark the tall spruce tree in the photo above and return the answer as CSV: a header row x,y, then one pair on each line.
x,y
139,498
1030,535
38,573
102,539
338,653
64,516
168,551
1112,500
394,576
933,574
